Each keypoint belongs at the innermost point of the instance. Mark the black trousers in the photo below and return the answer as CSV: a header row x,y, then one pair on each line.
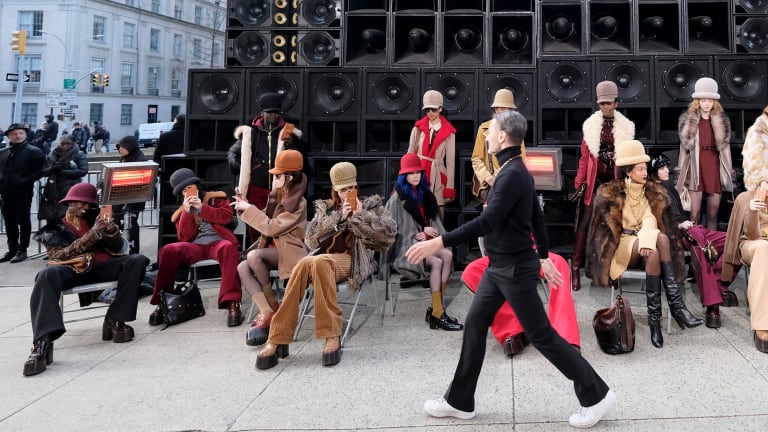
x,y
47,317
16,208
517,284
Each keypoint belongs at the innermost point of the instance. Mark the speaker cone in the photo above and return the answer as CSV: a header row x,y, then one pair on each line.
x,y
652,27
514,39
374,39
566,82
560,27
252,12
318,13
418,39
392,94
518,87
281,85
317,48
334,93
456,95
250,48
218,93
742,80
468,38
604,27
679,80
754,35
700,26
630,78
754,6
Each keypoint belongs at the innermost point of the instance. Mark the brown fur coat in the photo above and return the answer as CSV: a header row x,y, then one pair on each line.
x,y
605,231
688,161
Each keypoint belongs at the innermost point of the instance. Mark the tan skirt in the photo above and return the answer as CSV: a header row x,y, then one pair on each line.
x,y
623,255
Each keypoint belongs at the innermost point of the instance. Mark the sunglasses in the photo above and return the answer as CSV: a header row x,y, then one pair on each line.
x,y
431,109
272,112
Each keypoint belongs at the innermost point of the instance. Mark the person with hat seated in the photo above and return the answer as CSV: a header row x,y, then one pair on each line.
x,y
204,227
433,140
414,209
127,215
20,166
267,135
631,227
281,244
83,249
343,235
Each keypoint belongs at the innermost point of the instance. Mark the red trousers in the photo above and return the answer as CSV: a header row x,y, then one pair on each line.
x,y
562,313
174,255
707,275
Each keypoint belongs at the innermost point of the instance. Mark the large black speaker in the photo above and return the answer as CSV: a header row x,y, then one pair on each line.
x,y
610,27
333,93
262,13
521,82
415,39
752,34
512,40
463,40
709,27
565,81
320,13
214,109
659,27
319,48
288,84
743,80
675,78
561,28
751,6
457,88
391,93
249,48
633,77
365,41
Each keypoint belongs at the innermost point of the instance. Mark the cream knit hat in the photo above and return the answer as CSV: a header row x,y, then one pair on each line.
x,y
343,175
630,153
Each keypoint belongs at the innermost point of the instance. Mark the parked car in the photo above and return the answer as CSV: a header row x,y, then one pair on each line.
x,y
149,133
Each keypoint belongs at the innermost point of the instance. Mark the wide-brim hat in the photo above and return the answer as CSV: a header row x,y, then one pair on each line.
x,y
631,152
410,163
504,98
343,175
287,161
182,178
83,192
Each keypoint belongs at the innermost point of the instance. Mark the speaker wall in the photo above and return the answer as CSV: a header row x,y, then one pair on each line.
x,y
288,84
676,78
366,40
632,77
333,92
391,93
522,83
214,109
512,40
709,27
752,35
659,28
319,48
610,27
415,39
320,13
463,40
561,28
261,48
743,81
566,82
457,89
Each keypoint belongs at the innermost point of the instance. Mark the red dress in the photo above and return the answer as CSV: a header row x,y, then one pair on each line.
x,y
709,160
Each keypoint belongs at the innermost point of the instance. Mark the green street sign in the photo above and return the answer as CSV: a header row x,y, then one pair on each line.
x,y
70,83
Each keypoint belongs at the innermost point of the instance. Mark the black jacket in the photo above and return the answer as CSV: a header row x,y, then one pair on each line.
x,y
171,142
64,170
20,166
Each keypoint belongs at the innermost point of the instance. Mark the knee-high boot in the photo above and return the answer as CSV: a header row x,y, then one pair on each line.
x,y
577,259
679,312
653,294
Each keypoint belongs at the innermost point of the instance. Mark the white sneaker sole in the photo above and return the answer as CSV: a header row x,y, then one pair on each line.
x,y
463,415
611,402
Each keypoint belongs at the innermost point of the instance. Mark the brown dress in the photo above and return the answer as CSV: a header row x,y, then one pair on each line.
x,y
709,160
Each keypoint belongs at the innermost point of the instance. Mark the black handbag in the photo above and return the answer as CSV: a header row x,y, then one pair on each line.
x,y
177,308
615,327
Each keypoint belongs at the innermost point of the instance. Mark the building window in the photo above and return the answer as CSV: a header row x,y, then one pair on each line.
x,y
154,39
156,6
197,49
152,75
99,28
97,113
32,22
129,30
32,67
178,46
199,15
176,75
177,10
28,113
126,78
126,114
97,65
175,110
130,3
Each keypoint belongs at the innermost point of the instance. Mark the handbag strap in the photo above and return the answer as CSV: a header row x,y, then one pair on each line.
x,y
626,335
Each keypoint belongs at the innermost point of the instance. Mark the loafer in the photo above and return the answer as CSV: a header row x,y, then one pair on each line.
x,y
586,417
729,299
429,312
441,408
8,256
267,358
331,353
712,317
40,357
234,315
760,343
156,317
444,323
19,257
515,344
116,331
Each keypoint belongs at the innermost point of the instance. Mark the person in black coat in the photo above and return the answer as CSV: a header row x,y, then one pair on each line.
x,y
64,167
20,166
127,215
171,142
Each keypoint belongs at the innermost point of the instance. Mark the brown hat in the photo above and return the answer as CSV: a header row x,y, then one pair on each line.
x,y
287,161
504,99
343,175
630,152
432,99
606,91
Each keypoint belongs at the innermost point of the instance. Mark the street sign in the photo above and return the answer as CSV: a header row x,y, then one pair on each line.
x,y
73,106
15,77
69,96
51,103
70,83
53,94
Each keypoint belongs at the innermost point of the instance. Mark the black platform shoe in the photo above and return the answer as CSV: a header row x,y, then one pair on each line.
x,y
40,358
712,317
444,323
429,313
156,317
116,331
515,344
270,361
331,358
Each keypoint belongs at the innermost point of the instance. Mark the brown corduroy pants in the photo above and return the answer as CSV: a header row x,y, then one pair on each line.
x,y
322,271
755,253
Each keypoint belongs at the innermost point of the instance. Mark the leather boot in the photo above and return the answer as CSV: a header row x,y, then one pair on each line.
x,y
679,312
40,358
653,295
577,259
713,316
234,314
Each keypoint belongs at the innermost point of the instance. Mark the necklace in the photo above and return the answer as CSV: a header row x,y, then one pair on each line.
x,y
636,204
505,163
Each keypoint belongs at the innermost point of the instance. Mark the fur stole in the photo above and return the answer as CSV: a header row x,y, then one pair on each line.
x,y
55,235
623,130
412,207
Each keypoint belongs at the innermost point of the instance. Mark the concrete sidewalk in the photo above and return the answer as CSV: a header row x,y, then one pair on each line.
x,y
200,375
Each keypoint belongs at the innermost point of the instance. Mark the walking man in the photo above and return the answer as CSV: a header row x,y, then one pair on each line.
x,y
512,214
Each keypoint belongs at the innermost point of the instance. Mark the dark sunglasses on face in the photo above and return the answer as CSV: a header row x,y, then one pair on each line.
x,y
431,109
272,112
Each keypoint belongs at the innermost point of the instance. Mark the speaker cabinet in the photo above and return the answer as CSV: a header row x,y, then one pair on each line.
x,y
566,82
659,27
415,6
512,40
415,39
561,126
366,42
561,28
333,109
751,34
392,93
249,13
320,13
750,6
248,48
457,88
319,48
463,40
610,27
742,81
709,27
366,6
633,78
512,6
214,109
463,6
522,83
287,84
676,78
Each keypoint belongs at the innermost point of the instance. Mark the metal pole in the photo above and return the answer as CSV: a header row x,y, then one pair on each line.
x,y
19,91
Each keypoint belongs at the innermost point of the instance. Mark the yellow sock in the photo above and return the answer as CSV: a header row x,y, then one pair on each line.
x,y
437,304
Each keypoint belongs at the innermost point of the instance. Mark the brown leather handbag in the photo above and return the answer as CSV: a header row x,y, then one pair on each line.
x,y
80,264
615,327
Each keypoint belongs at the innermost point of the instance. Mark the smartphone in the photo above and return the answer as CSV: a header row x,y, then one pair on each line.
x,y
352,199
191,190
105,212
761,194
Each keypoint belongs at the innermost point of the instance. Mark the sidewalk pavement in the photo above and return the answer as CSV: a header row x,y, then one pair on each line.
x,y
200,375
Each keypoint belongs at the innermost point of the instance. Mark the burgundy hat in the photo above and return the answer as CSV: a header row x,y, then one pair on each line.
x,y
410,163
83,192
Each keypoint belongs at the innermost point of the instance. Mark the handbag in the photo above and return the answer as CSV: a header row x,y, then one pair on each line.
x,y
480,189
80,264
337,240
615,327
685,199
179,307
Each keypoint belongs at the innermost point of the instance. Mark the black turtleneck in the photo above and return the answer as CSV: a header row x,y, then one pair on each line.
x,y
512,215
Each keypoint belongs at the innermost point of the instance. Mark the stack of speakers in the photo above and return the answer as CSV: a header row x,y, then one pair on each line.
x,y
352,72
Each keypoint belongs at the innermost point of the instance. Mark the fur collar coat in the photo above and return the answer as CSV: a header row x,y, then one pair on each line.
x,y
605,230
688,162
755,152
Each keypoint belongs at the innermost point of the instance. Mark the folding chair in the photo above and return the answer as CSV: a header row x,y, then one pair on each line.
x,y
392,278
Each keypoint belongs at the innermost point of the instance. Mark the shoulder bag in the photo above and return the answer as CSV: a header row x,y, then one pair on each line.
x,y
615,327
179,307
80,264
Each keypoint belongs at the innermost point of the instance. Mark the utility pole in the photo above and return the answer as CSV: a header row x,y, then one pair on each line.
x,y
215,29
19,44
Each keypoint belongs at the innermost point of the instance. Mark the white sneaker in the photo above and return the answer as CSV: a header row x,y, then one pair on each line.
x,y
441,408
586,417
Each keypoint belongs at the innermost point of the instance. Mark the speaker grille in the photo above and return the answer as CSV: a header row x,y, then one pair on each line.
x,y
217,93
566,82
743,80
333,93
391,94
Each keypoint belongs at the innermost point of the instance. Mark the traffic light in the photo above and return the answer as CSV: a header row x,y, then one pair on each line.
x,y
96,80
19,41
105,80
